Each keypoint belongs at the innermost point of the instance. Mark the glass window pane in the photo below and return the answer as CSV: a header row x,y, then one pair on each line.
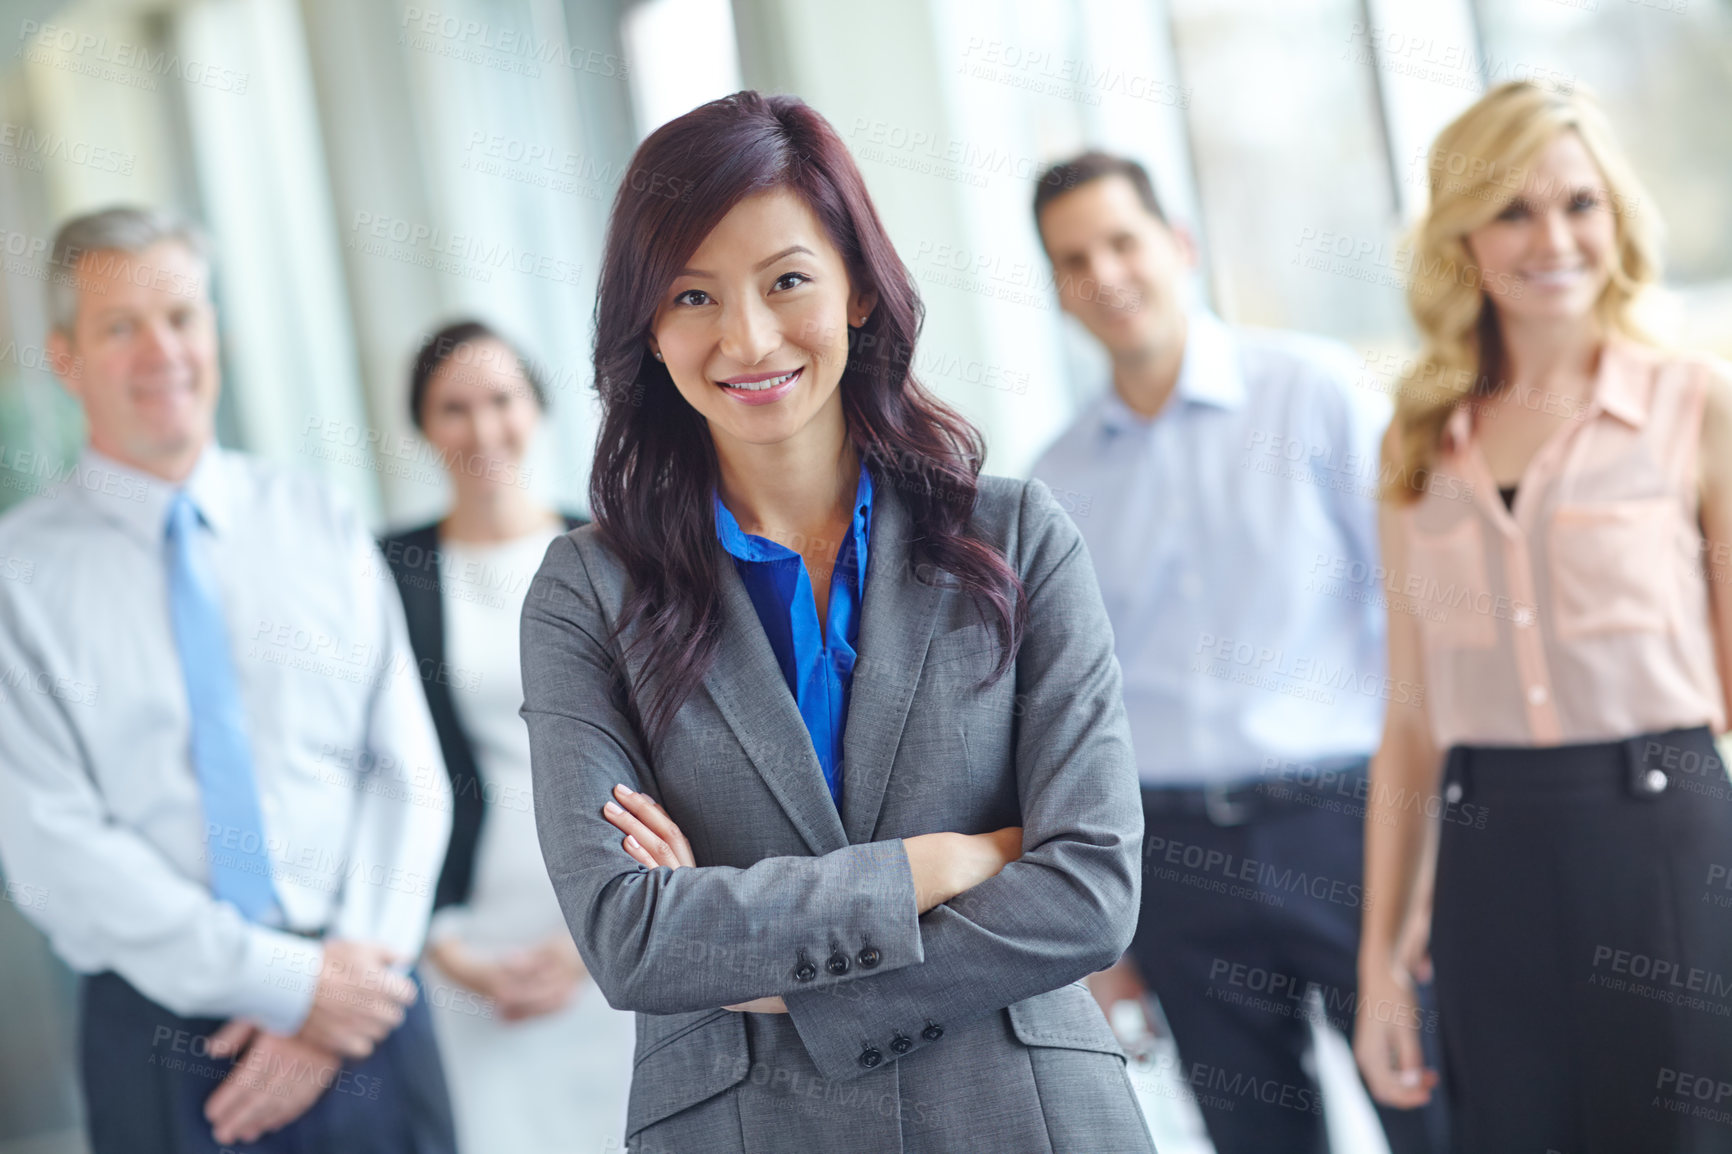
x,y
1292,165
682,54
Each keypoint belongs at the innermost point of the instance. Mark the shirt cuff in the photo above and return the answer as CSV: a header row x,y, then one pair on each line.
x,y
278,978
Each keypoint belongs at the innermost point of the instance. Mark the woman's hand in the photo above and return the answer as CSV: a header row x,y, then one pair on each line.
x,y
539,980
523,984
1386,1037
457,962
1413,950
947,864
1386,1034
651,837
1119,982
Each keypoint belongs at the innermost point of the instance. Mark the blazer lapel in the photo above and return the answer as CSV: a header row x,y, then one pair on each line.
x,y
895,625
747,686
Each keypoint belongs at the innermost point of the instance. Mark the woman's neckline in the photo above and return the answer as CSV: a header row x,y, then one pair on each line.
x,y
550,528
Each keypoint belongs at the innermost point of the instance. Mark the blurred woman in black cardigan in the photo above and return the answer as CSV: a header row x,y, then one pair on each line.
x,y
532,1053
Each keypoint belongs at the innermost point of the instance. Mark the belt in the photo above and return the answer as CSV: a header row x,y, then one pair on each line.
x,y
1235,803
1644,767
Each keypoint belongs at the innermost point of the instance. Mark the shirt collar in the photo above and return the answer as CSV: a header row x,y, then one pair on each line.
x,y
138,501
1208,373
1620,390
1620,385
748,547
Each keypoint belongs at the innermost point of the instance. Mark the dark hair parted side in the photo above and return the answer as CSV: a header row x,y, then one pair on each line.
x,y
442,345
655,471
1093,165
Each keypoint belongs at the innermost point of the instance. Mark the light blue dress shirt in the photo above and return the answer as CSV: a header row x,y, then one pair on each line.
x,y
818,666
101,810
1234,536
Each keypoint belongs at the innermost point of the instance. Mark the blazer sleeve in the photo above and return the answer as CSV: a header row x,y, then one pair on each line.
x,y
641,931
1069,905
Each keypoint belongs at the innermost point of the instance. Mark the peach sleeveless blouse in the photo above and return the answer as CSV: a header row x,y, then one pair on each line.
x,y
1582,614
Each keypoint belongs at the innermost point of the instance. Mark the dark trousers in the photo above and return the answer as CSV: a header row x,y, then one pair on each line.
x,y
147,1072
1582,938
1246,908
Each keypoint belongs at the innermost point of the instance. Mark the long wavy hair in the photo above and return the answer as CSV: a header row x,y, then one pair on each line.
x,y
655,471
1476,168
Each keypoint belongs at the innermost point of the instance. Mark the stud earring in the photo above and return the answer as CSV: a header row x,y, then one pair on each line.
x,y
657,356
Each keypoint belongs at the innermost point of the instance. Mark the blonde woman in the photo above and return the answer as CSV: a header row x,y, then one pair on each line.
x,y
1557,519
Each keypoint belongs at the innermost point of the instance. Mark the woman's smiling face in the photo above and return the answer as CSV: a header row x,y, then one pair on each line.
x,y
1548,254
754,330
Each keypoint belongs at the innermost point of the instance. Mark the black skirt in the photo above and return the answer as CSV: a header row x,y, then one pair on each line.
x,y
1582,944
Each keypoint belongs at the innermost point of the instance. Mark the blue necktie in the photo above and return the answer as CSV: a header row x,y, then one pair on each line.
x,y
221,753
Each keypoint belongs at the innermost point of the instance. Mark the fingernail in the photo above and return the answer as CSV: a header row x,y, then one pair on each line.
x,y
633,841
1410,1077
623,789
610,807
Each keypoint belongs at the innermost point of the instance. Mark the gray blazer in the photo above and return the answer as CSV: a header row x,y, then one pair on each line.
x,y
964,1029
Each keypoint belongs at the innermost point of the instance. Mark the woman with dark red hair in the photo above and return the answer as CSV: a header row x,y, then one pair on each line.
x,y
853,706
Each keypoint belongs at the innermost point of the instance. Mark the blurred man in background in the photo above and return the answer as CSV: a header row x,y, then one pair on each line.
x,y
1221,485
215,757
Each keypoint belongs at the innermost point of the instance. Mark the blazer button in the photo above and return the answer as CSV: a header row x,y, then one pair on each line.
x,y
838,963
901,1043
805,972
869,957
932,1032
870,1057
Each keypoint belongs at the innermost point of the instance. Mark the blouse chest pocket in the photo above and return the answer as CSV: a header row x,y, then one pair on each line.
x,y
1611,566
1447,586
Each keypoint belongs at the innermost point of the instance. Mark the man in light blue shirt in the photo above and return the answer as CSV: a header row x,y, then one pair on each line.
x,y
216,761
1226,488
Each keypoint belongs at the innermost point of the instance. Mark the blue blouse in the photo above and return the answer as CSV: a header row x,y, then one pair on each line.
x,y
818,667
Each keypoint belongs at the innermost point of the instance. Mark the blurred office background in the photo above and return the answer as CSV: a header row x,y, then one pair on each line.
x,y
368,169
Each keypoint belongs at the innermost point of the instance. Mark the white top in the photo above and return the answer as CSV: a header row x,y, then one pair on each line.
x,y
511,901
101,816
